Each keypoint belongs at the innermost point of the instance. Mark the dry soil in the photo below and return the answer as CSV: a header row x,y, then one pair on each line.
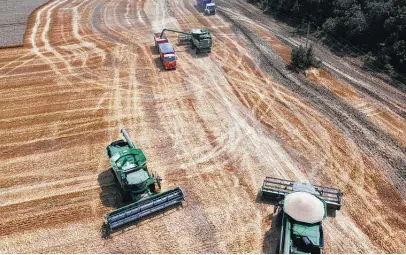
x,y
216,127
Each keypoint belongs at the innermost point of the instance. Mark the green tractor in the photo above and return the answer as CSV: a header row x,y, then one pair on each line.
x,y
199,39
136,185
303,207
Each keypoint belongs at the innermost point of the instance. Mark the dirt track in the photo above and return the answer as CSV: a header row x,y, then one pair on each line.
x,y
216,127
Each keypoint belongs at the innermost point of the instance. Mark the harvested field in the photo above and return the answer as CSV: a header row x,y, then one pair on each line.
x,y
216,127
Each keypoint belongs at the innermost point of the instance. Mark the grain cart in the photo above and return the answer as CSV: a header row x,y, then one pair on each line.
x,y
199,39
303,207
136,184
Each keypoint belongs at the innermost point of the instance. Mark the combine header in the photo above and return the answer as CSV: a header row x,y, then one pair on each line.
x,y
277,189
136,185
303,207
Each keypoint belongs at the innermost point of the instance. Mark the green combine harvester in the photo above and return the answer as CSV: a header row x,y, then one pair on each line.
x,y
199,39
136,185
303,207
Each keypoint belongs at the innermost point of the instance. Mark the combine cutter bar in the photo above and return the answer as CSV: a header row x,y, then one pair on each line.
x,y
332,196
275,188
139,209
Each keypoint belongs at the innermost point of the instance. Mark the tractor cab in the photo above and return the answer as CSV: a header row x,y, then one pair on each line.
x,y
137,179
210,9
200,33
307,238
169,61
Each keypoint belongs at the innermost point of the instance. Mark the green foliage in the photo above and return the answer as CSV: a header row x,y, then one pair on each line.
x,y
370,61
304,58
374,26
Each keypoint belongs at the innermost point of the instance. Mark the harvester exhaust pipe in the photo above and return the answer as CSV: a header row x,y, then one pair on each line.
x,y
127,138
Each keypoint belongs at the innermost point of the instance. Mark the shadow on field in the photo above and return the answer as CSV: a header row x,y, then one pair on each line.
x,y
271,239
331,213
200,55
198,8
110,193
158,63
154,50
260,200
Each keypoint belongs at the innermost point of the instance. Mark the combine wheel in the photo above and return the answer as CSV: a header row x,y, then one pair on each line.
x,y
158,185
197,51
159,179
155,188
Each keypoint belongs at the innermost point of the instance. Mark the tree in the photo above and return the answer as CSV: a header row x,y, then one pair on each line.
x,y
304,58
374,26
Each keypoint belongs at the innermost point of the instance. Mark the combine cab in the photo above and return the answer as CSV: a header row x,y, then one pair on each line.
x,y
208,5
303,207
210,9
136,185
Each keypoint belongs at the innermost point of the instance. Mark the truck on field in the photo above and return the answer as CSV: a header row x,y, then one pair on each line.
x,y
199,39
208,5
166,51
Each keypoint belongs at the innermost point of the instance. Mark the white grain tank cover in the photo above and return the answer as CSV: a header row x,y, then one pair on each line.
x,y
304,207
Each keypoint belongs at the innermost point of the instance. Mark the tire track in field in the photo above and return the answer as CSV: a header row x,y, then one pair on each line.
x,y
215,126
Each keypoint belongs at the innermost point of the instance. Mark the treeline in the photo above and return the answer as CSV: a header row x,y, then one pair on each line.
x,y
377,27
